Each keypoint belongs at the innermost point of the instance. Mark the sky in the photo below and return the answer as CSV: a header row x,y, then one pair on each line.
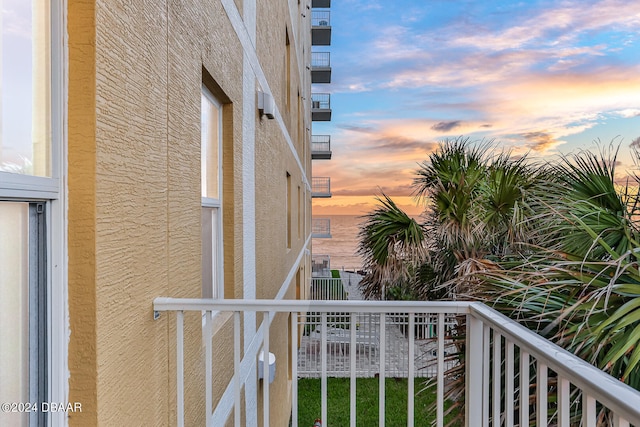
x,y
544,78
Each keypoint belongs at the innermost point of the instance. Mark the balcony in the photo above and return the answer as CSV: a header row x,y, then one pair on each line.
x,y
321,186
320,265
511,373
320,107
321,228
321,3
320,28
320,67
320,147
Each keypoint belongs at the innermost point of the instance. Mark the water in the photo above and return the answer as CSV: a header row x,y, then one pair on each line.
x,y
343,244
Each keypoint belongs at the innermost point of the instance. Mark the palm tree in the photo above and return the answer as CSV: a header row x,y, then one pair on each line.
x,y
556,246
582,290
475,203
391,244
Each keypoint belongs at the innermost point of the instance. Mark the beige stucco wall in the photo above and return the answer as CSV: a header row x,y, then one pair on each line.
x,y
135,74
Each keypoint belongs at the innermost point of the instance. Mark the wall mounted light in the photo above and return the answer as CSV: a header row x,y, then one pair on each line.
x,y
266,105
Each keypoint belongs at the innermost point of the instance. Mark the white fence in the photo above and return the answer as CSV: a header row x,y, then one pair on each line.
x,y
511,373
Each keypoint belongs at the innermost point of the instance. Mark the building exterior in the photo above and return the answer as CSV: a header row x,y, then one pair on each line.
x,y
163,151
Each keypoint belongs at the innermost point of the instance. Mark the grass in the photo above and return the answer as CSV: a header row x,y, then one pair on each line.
x,y
338,406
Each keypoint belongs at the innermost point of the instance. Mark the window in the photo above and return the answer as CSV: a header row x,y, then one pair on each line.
x,y
25,98
211,179
33,254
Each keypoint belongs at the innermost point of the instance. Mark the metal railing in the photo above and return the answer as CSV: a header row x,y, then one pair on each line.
x,y
327,288
511,374
320,18
321,101
320,143
321,228
320,186
320,59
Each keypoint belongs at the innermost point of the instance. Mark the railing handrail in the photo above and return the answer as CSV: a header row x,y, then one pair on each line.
x,y
612,393
282,306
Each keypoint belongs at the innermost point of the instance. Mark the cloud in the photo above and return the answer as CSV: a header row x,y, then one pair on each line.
x,y
446,126
401,143
629,112
358,128
541,141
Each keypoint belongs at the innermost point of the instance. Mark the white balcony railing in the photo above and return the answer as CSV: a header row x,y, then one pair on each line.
x,y
511,373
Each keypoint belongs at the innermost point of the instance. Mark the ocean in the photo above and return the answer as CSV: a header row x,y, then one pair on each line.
x,y
343,244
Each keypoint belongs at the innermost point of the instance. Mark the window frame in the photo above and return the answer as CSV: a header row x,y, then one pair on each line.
x,y
211,203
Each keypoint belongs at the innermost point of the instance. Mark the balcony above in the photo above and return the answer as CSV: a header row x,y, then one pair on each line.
x,y
320,147
321,3
320,28
321,228
320,107
320,67
321,186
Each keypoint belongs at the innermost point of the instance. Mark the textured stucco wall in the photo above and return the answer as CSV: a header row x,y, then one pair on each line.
x,y
135,75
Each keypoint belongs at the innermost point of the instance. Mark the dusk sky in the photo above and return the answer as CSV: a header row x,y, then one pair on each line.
x,y
539,77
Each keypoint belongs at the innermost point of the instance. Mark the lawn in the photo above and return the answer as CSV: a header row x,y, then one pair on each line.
x,y
309,403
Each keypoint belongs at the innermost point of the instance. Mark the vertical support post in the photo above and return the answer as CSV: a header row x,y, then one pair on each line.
x,y
541,398
383,345
563,402
180,367
486,358
411,374
323,362
266,323
509,376
524,386
237,383
497,370
588,410
352,371
474,368
294,369
440,384
208,380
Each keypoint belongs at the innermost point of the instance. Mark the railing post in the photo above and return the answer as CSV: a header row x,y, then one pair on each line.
x,y
208,381
474,368
237,383
266,378
352,367
294,369
180,367
382,378
440,385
